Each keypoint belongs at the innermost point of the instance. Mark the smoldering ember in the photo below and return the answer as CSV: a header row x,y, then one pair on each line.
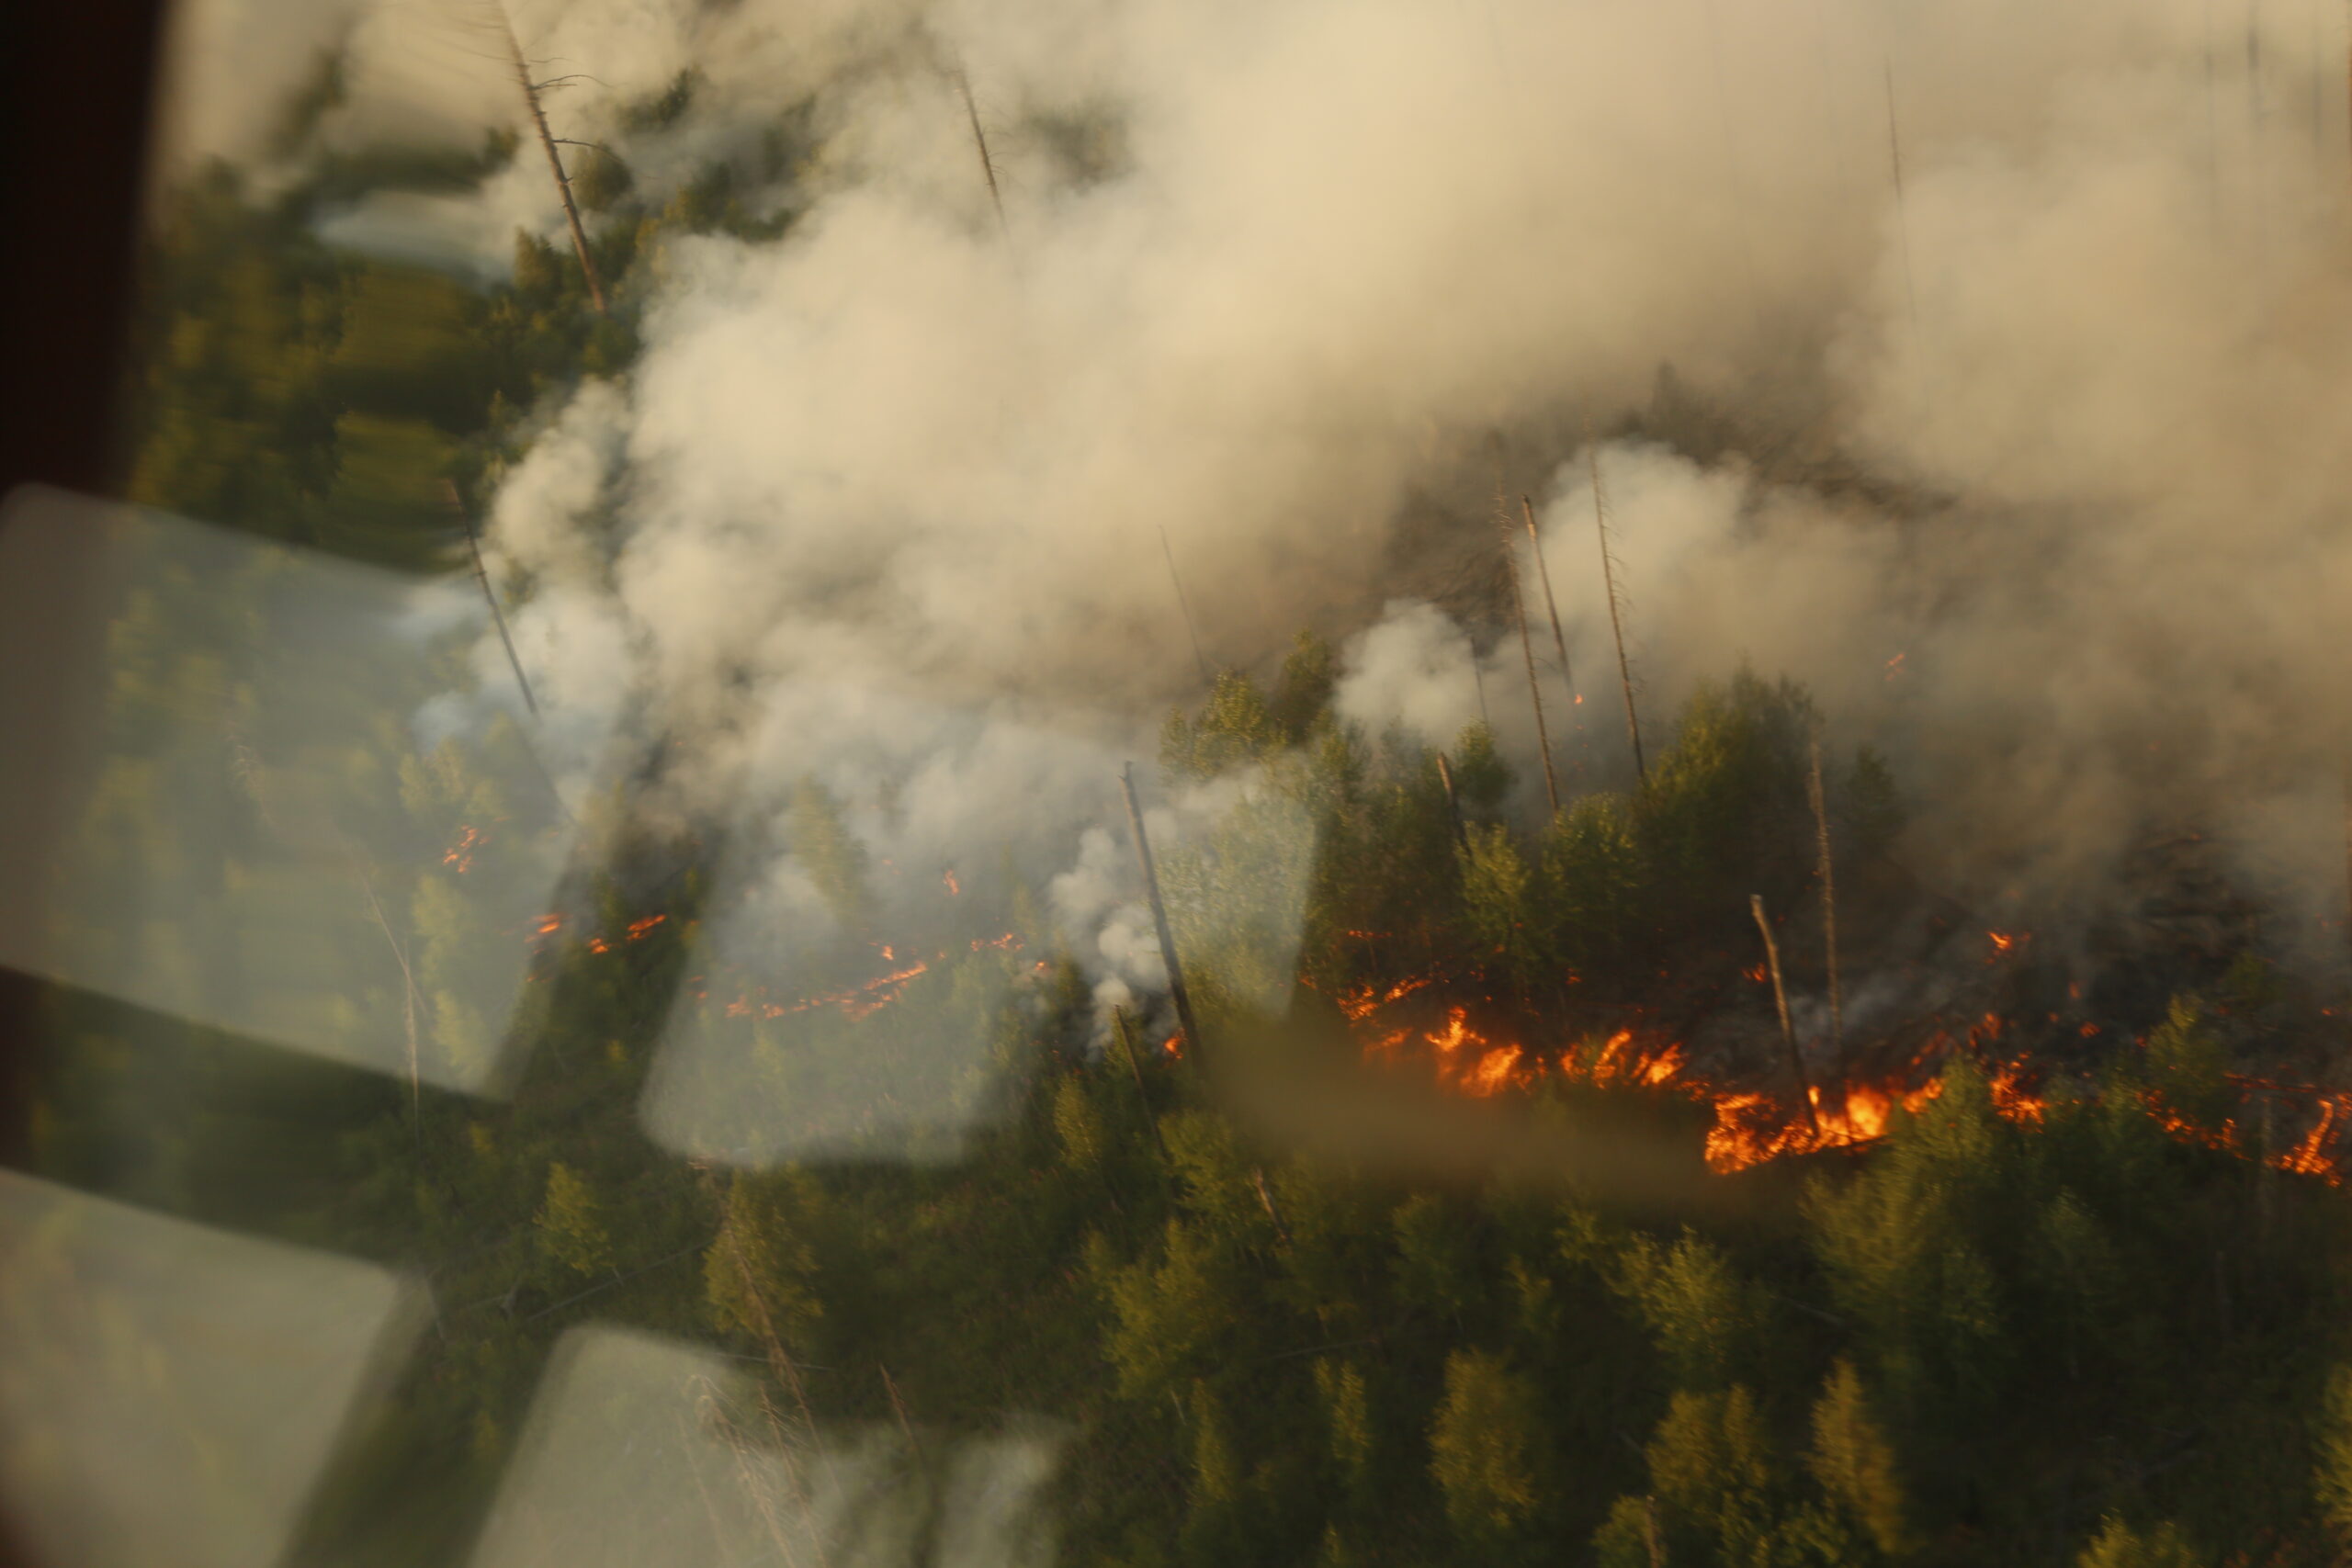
x,y
1163,783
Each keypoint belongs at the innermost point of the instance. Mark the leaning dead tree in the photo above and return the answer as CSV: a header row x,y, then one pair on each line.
x,y
531,91
514,662
1176,992
490,595
1550,605
980,143
1616,611
1526,648
1781,999
1901,213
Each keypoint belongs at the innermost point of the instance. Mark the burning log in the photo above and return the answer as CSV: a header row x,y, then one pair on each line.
x,y
1780,1001
1616,617
1814,792
555,163
1176,991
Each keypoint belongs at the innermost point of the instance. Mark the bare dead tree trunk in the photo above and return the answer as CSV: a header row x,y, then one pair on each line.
x,y
1176,991
1819,799
1550,605
981,141
1559,639
1535,693
555,163
1453,803
1616,615
1781,999
1527,650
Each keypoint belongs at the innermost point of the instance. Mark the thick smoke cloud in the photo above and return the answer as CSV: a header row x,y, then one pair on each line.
x,y
2034,477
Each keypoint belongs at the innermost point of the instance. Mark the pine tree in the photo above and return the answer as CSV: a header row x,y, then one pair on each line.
x,y
1235,726
1308,675
1854,1464
1347,1413
1706,1321
1488,1448
1711,1471
571,1224
1499,903
760,1271
1481,777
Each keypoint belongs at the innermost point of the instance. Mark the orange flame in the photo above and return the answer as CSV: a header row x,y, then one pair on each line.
x,y
2309,1157
460,854
954,888
1366,1000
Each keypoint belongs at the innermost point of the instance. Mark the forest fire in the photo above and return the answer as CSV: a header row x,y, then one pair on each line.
x,y
1752,1126
869,996
460,856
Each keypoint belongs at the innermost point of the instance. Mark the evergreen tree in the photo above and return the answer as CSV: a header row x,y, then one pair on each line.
x,y
1235,726
760,1271
1347,1413
1308,675
572,1222
1707,1322
1854,1464
1481,777
1488,1448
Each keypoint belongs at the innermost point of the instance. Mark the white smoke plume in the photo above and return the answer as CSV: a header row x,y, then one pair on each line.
x,y
2032,476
